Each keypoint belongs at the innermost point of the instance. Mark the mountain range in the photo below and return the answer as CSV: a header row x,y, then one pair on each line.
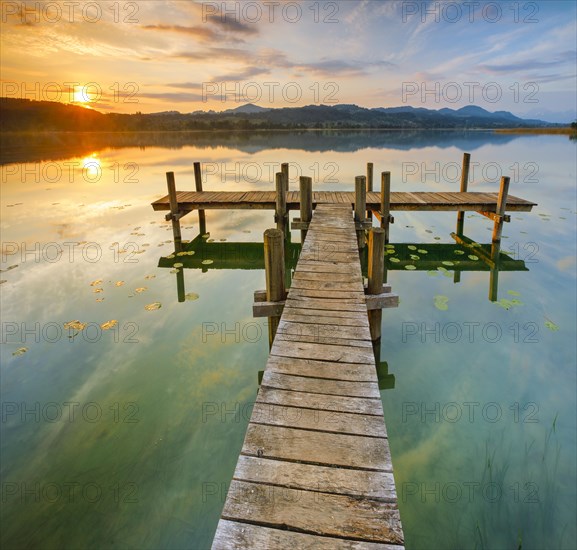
x,y
27,115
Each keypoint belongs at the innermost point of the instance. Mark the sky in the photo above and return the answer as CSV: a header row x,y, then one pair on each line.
x,y
180,55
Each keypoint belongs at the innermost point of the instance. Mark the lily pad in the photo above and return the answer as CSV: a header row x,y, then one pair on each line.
x,y
150,277
412,247
20,351
395,260
422,251
551,325
447,262
207,262
432,273
473,257
96,283
118,283
191,296
174,271
513,293
98,290
459,252
109,324
178,264
441,302
153,306
140,289
414,257
75,325
505,304
410,267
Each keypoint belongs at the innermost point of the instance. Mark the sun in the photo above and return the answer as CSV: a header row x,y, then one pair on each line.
x,y
82,97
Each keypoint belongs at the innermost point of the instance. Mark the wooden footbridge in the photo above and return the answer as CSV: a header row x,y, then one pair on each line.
x,y
315,468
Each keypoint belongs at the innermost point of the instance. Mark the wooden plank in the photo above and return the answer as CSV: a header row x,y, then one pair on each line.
x,y
357,483
322,369
318,420
359,405
369,390
332,335
234,535
328,449
314,512
309,316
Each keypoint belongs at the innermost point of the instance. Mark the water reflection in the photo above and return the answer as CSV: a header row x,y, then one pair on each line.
x,y
434,258
54,146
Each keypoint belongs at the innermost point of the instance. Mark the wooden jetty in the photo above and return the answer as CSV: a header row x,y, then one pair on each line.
x,y
315,468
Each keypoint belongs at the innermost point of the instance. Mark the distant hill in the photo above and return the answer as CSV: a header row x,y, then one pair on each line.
x,y
26,115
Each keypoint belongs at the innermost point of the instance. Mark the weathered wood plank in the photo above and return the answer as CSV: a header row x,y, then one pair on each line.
x,y
314,513
233,535
309,447
354,372
359,405
318,420
343,481
321,385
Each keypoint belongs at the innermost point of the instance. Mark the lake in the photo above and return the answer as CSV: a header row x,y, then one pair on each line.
x,y
127,383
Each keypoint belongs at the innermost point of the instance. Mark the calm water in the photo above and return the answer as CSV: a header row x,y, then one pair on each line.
x,y
127,436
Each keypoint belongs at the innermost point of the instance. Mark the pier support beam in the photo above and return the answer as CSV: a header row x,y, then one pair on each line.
x,y
376,276
281,208
386,217
284,169
500,211
360,208
275,274
464,185
369,185
306,200
198,185
174,213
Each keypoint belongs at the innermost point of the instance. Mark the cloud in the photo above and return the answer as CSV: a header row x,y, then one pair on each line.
x,y
213,54
182,97
529,64
204,33
231,25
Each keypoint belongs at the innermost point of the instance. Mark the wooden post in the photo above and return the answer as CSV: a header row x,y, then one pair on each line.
x,y
494,275
306,202
385,203
369,185
464,184
501,206
180,290
376,270
198,183
360,206
174,211
275,274
280,215
284,168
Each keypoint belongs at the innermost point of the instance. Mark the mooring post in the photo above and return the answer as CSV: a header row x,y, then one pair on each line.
x,y
376,270
500,211
369,186
198,183
386,203
284,168
275,274
174,214
306,202
360,207
464,184
280,214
